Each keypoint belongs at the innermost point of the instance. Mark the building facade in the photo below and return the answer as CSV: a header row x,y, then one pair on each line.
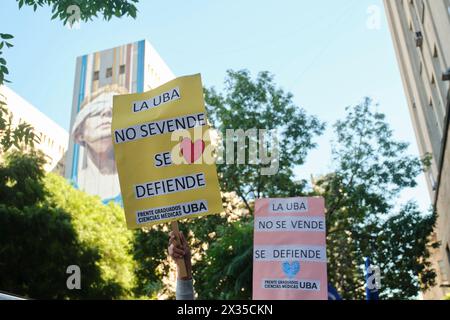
x,y
130,68
421,34
53,138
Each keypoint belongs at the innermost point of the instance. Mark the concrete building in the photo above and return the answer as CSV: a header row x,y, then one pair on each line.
x,y
130,68
421,35
53,138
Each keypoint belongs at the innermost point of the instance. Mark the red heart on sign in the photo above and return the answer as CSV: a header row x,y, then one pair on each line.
x,y
191,151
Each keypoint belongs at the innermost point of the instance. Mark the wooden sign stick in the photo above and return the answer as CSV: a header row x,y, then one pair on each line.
x,y
181,264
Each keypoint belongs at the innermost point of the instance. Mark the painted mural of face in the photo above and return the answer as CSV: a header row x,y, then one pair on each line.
x,y
92,130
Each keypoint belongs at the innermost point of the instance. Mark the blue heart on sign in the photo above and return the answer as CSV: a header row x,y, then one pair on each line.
x,y
290,269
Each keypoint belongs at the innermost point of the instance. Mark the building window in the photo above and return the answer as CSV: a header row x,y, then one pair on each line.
x,y
419,39
109,72
122,69
96,75
435,52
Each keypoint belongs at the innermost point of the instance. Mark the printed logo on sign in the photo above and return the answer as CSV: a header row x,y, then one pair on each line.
x,y
374,278
288,205
163,98
175,211
74,280
154,190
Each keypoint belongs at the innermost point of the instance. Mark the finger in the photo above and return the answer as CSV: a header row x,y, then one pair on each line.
x,y
177,255
178,251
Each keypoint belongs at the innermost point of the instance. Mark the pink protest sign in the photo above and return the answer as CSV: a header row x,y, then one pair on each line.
x,y
289,255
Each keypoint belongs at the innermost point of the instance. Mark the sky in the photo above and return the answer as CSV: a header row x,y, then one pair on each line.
x,y
329,54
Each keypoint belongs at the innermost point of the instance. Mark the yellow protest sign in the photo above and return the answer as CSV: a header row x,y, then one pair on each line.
x,y
164,154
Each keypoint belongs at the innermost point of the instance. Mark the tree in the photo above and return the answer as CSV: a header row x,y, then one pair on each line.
x,y
64,10
72,226
150,253
227,268
46,226
38,244
370,170
400,246
20,136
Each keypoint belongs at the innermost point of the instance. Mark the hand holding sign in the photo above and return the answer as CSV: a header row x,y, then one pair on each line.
x,y
156,188
180,252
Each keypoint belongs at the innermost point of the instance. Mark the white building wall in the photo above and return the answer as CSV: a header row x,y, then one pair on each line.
x,y
53,138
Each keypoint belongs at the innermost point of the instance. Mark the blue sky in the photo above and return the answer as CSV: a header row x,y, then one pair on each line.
x,y
322,51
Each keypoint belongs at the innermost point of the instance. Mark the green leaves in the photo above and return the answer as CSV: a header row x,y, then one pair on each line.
x,y
401,245
258,103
